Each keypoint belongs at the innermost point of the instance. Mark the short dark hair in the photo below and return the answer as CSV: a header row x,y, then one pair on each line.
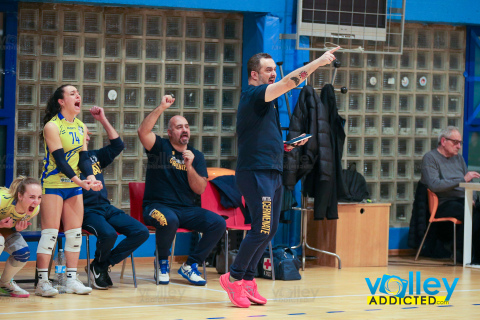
x,y
254,62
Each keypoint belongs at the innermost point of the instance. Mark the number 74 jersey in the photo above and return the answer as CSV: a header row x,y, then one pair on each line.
x,y
72,136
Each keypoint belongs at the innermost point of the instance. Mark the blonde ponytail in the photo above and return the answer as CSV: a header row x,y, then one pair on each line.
x,y
20,184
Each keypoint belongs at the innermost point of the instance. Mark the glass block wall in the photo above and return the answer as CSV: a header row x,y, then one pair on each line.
x,y
395,108
125,60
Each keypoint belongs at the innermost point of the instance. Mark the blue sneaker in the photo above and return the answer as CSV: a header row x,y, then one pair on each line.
x,y
163,275
192,274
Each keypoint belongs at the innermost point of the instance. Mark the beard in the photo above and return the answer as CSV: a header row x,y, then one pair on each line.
x,y
184,139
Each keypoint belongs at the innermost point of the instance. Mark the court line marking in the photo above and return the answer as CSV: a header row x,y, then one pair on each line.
x,y
109,308
195,303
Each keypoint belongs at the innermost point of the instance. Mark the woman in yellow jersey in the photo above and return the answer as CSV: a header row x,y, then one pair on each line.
x,y
18,204
65,157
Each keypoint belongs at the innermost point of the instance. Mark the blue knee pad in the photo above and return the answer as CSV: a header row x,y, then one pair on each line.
x,y
21,255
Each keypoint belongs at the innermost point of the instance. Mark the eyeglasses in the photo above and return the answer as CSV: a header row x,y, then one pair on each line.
x,y
455,142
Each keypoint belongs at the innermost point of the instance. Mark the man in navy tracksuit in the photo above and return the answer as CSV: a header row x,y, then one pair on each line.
x,y
260,166
104,220
176,175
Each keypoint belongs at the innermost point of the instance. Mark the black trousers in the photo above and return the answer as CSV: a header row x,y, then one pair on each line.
x,y
263,193
456,209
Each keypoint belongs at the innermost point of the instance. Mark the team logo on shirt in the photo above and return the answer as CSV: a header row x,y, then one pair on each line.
x,y
157,215
80,130
177,163
95,165
96,168
266,214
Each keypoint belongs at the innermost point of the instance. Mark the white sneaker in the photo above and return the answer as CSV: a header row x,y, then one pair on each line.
x,y
163,272
76,286
192,274
13,290
45,289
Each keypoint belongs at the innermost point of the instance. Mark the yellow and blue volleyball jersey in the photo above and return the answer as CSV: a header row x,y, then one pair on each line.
x,y
71,135
7,208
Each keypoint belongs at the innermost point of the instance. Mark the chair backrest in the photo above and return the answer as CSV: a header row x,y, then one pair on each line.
x,y
432,204
211,201
136,189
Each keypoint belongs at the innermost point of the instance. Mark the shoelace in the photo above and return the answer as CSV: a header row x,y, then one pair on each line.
x,y
15,286
243,292
193,270
80,283
76,280
250,290
164,268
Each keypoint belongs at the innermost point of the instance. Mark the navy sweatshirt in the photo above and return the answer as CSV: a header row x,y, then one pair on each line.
x,y
101,158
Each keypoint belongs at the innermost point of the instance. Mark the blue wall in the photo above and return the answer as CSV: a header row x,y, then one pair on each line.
x,y
147,249
209,5
459,12
430,11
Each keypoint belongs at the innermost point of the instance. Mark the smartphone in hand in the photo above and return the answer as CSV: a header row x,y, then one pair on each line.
x,y
298,139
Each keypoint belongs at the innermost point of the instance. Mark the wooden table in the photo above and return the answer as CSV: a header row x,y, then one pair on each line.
x,y
359,236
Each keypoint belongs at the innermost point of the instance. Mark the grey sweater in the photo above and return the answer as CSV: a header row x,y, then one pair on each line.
x,y
442,175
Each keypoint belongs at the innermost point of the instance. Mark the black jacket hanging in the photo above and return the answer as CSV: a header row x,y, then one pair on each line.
x,y
420,216
319,160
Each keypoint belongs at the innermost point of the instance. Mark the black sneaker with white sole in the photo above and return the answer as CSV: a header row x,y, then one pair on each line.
x,y
98,276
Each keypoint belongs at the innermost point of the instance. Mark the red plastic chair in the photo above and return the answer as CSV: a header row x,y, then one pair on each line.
x,y
235,220
433,206
137,190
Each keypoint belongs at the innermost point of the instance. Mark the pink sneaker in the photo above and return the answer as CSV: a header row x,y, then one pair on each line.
x,y
235,290
250,287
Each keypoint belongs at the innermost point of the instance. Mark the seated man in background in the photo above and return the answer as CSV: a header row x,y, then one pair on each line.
x,y
442,171
176,175
104,220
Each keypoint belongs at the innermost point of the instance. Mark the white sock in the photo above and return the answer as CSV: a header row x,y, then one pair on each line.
x,y
71,273
42,274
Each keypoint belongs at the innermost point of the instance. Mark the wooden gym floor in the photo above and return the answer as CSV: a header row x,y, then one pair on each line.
x,y
323,293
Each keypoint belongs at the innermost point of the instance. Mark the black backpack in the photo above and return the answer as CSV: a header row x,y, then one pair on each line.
x,y
356,185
